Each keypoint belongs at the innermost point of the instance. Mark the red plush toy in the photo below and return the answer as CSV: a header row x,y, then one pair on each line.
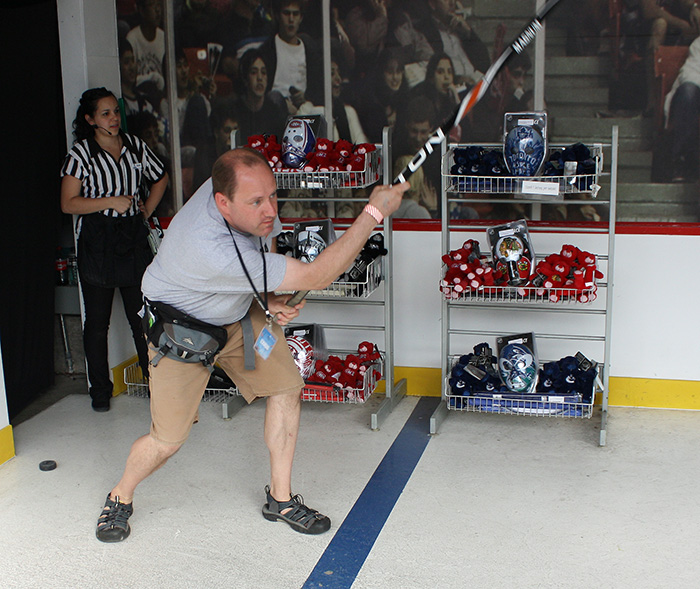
x,y
570,274
466,270
454,279
368,353
273,151
322,156
571,254
342,150
257,142
356,162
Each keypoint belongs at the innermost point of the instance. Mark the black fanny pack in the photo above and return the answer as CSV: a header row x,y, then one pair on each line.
x,y
181,336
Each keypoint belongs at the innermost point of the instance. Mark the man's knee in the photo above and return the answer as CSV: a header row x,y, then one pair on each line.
x,y
291,401
164,450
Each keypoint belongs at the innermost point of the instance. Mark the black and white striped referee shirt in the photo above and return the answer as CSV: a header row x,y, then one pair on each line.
x,y
101,175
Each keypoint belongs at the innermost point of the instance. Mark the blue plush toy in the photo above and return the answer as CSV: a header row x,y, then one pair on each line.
x,y
550,373
475,373
567,376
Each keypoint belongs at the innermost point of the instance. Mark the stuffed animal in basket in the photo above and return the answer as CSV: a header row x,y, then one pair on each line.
x,y
342,150
568,376
368,353
322,156
273,151
356,162
476,373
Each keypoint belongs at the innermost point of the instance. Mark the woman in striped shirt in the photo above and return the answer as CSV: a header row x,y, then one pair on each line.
x,y
102,182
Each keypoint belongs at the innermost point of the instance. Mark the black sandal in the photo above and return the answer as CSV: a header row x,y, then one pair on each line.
x,y
113,524
300,517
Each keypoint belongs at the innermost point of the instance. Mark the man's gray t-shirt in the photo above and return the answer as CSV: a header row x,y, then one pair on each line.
x,y
197,269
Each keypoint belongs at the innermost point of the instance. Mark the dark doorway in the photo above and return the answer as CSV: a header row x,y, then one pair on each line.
x,y
34,140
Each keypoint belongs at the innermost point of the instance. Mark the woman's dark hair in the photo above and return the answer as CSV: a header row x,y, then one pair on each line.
x,y
433,62
384,94
88,106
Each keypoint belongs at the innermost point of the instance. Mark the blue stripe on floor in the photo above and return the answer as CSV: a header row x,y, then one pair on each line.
x,y
339,564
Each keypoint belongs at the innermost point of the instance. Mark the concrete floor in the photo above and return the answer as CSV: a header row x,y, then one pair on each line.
x,y
494,501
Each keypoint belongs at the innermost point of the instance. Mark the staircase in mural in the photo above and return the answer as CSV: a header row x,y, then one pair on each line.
x,y
576,95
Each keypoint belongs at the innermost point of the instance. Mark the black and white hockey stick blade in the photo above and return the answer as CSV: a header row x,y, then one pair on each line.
x,y
476,93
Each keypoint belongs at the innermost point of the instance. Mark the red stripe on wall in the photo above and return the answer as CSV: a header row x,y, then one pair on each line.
x,y
620,228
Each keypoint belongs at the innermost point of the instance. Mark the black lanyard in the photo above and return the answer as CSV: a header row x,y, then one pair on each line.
x,y
261,301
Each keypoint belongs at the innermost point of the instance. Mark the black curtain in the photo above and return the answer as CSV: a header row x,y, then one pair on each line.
x,y
34,140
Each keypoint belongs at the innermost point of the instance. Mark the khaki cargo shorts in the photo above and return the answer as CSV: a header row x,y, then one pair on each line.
x,y
177,387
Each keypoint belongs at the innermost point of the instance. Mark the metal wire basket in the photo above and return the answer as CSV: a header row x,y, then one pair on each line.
x,y
137,386
333,394
537,187
523,294
287,179
356,290
532,404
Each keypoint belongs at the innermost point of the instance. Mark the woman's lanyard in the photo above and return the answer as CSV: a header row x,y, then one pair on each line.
x,y
262,302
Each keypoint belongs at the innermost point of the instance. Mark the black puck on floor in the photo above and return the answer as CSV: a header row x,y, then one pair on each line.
x,y
47,465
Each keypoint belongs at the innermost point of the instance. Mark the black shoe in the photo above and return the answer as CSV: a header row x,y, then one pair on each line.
x,y
100,405
113,524
301,518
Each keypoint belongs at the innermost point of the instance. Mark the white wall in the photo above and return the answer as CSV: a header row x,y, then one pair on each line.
x,y
655,326
656,318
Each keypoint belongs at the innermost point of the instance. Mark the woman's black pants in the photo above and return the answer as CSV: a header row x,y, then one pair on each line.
x,y
98,309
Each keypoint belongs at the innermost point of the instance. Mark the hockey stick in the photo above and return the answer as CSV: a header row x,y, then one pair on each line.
x,y
476,93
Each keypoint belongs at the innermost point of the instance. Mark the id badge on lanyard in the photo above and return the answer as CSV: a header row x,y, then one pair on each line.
x,y
265,342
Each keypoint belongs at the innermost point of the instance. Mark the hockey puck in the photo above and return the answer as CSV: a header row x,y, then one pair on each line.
x,y
47,465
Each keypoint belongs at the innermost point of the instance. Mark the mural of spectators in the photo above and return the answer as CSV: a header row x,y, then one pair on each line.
x,y
415,49
257,113
192,107
449,32
313,26
646,25
197,23
246,25
346,123
147,40
135,101
146,126
439,87
224,120
414,124
682,110
378,98
508,93
367,25
293,59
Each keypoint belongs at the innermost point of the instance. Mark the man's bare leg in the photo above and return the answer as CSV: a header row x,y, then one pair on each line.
x,y
281,432
147,455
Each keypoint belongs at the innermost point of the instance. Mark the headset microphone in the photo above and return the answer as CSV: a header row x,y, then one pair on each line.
x,y
95,126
